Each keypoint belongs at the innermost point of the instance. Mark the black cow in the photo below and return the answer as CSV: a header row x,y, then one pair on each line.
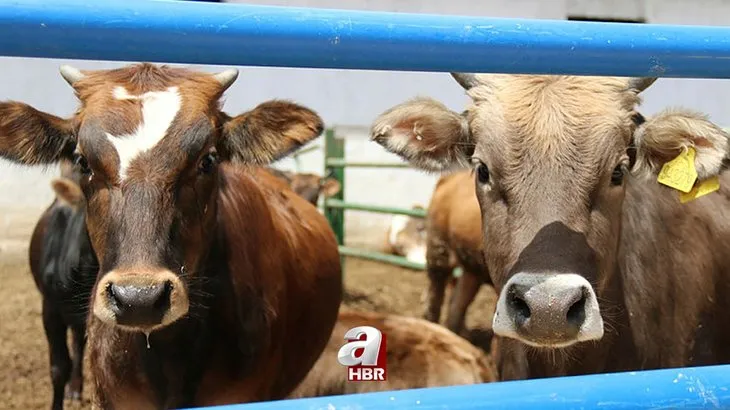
x,y
64,268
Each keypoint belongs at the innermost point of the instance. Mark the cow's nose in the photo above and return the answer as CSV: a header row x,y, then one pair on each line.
x,y
562,307
548,310
139,306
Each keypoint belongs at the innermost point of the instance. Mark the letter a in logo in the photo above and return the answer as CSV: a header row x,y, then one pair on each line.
x,y
364,354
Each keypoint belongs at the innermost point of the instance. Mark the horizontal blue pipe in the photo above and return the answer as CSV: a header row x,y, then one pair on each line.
x,y
689,388
235,34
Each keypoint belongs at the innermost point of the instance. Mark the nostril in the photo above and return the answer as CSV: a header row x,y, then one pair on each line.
x,y
163,301
112,295
519,307
577,312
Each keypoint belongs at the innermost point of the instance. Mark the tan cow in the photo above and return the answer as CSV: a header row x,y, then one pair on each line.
x,y
599,267
454,241
450,245
209,266
419,354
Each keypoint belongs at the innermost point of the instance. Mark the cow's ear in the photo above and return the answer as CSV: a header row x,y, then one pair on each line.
x,y
670,133
270,131
425,133
68,192
330,187
32,137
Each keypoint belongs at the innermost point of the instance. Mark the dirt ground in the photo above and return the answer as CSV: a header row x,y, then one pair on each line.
x,y
24,371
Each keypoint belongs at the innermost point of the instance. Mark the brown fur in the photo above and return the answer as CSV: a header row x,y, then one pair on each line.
x,y
68,192
419,354
560,153
32,136
276,130
247,265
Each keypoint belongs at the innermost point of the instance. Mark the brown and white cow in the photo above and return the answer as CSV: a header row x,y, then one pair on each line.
x,y
209,268
454,240
418,354
406,236
599,267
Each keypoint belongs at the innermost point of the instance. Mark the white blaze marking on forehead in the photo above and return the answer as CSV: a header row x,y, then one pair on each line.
x,y
159,109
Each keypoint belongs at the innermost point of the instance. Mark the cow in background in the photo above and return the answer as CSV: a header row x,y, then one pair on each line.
x,y
308,186
208,266
406,236
599,266
454,241
64,269
418,354
446,241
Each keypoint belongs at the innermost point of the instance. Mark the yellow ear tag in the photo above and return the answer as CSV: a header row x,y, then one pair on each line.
x,y
680,173
705,187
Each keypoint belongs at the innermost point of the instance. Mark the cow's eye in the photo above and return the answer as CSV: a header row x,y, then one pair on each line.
x,y
482,173
208,163
81,162
617,177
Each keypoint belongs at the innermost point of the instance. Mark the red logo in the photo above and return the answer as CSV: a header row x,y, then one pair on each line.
x,y
364,354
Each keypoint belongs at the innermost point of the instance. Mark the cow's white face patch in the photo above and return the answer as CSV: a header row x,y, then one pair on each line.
x,y
417,254
397,225
159,109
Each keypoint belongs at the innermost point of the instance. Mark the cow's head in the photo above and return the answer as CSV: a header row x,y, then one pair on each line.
x,y
312,186
552,156
150,143
407,236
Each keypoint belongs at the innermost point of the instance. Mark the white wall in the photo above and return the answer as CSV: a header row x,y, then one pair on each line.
x,y
353,98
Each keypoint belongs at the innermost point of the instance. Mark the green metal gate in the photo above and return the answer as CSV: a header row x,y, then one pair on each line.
x,y
335,206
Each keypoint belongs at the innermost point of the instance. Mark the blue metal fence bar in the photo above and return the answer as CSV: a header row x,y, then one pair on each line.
x,y
691,388
236,34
